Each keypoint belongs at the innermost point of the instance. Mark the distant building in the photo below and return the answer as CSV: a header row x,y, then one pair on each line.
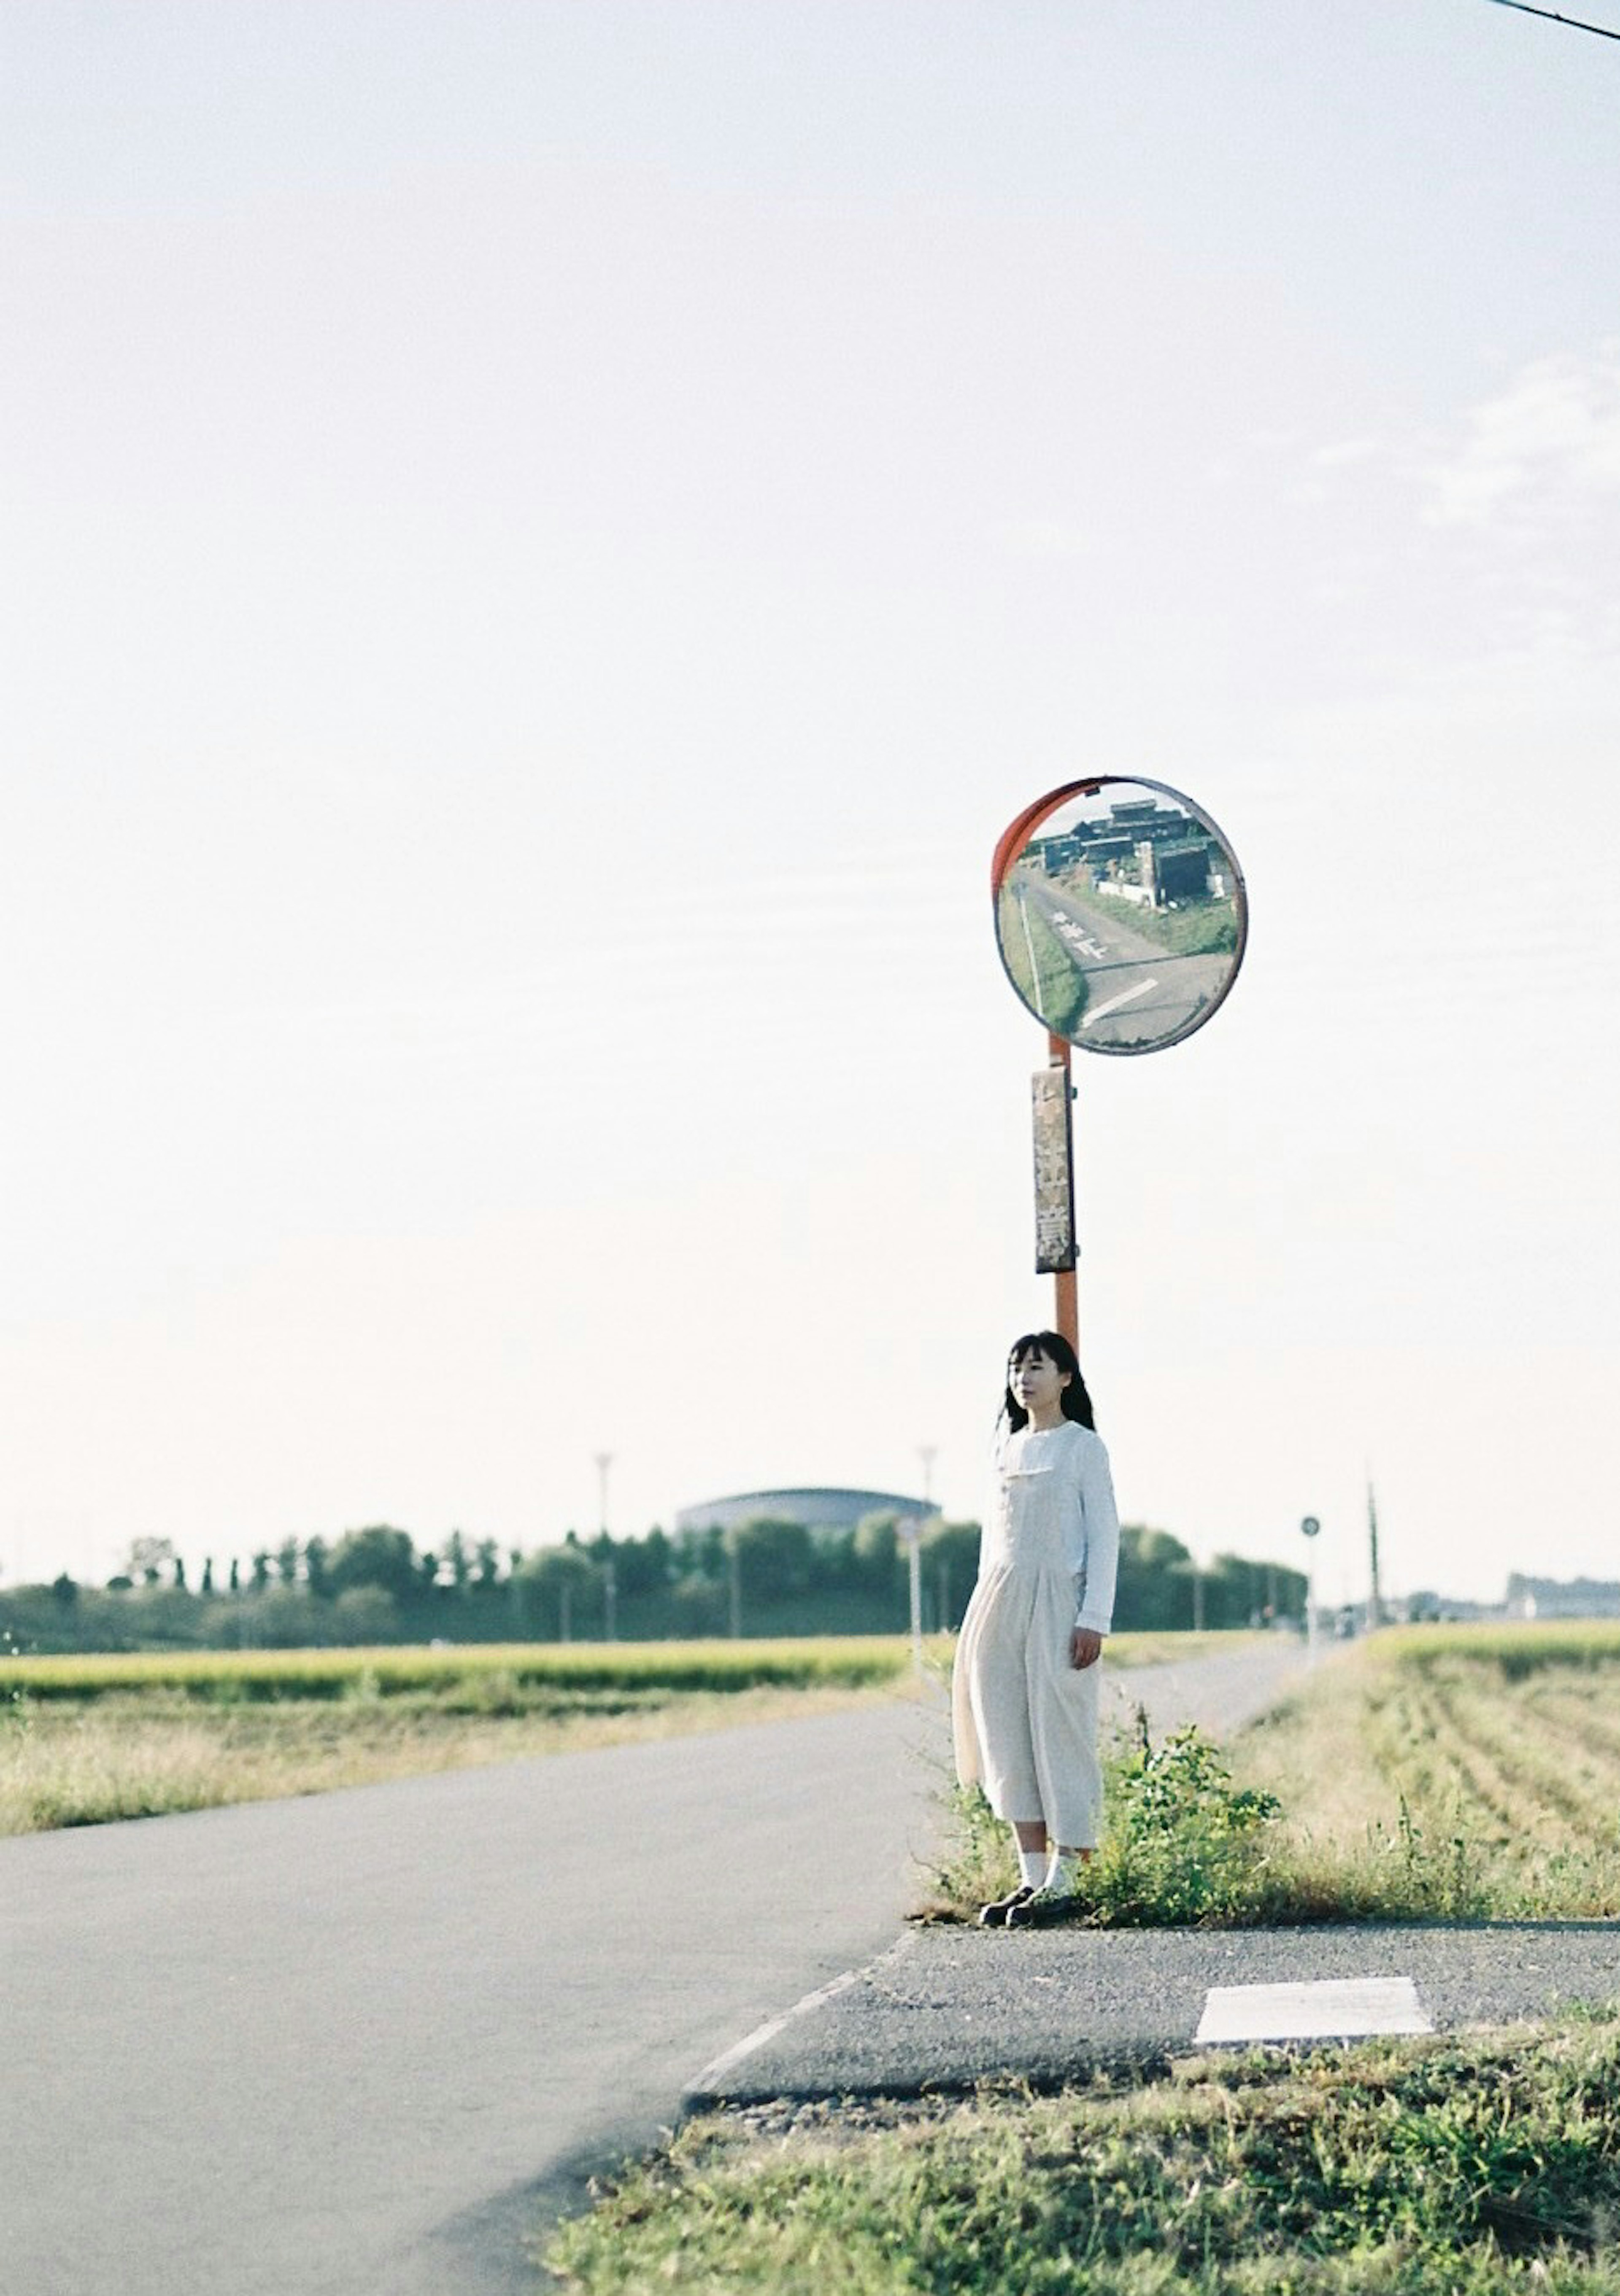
x,y
819,1508
1183,872
1562,1598
1424,1607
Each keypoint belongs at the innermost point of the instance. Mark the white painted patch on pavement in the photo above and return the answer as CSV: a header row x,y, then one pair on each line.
x,y
1321,2009
729,2059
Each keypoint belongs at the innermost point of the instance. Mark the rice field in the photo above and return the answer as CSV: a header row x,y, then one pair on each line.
x,y
1451,1771
86,1739
846,1661
92,1737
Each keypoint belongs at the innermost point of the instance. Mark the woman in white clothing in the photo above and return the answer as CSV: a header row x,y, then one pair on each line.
x,y
1025,1690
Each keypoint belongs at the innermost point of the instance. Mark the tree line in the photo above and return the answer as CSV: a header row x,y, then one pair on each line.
x,y
770,1577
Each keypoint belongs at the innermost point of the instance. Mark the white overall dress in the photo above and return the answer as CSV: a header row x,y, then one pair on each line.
x,y
1024,1717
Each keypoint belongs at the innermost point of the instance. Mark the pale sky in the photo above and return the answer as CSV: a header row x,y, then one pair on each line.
x,y
543,544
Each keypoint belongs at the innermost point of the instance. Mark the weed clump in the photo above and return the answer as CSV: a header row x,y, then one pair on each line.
x,y
1181,1844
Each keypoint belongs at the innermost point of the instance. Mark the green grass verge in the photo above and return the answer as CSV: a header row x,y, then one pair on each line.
x,y
1432,2168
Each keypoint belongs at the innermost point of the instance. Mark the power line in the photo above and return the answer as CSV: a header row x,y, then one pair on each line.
x,y
1573,22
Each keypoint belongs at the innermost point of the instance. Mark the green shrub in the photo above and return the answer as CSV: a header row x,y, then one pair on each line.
x,y
1181,1842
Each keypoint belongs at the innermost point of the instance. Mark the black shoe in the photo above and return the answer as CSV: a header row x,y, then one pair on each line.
x,y
1000,1911
1035,1909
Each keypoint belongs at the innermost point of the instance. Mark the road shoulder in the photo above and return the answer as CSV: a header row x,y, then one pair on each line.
x,y
946,2008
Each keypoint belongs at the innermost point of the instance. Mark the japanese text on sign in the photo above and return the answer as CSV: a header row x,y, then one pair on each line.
x,y
1055,1246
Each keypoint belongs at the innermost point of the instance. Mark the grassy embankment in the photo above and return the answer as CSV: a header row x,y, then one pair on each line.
x,y
87,1738
1433,1772
1464,2167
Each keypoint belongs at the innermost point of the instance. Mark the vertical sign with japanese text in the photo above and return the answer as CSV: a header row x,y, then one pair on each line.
x,y
1055,1246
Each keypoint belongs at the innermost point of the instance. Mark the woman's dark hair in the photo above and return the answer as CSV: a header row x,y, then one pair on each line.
x,y
1074,1402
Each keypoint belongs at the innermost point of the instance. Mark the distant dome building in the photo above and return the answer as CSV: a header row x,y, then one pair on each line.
x,y
817,1510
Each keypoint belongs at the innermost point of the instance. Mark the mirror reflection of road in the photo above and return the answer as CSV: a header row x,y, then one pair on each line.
x,y
1139,992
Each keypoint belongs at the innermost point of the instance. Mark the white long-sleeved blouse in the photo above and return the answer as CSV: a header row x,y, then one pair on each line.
x,y
1056,1482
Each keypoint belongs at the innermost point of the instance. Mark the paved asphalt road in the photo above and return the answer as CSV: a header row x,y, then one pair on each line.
x,y
361,2043
1219,1692
357,2045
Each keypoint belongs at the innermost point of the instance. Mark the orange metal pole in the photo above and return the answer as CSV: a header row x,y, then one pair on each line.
x,y
1065,1312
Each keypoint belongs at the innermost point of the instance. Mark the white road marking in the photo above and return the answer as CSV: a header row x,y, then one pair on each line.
x,y
1080,939
712,2074
1125,996
1322,2009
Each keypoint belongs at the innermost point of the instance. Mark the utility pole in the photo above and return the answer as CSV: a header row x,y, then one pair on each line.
x,y
913,1535
1375,1606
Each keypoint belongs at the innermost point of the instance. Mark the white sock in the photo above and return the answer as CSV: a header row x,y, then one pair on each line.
x,y
1032,1867
1060,1873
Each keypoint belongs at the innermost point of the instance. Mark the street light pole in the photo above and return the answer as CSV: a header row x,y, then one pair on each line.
x,y
926,1453
609,1585
1310,1528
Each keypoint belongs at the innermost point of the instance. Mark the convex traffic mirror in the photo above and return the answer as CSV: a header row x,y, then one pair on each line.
x,y
1119,914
